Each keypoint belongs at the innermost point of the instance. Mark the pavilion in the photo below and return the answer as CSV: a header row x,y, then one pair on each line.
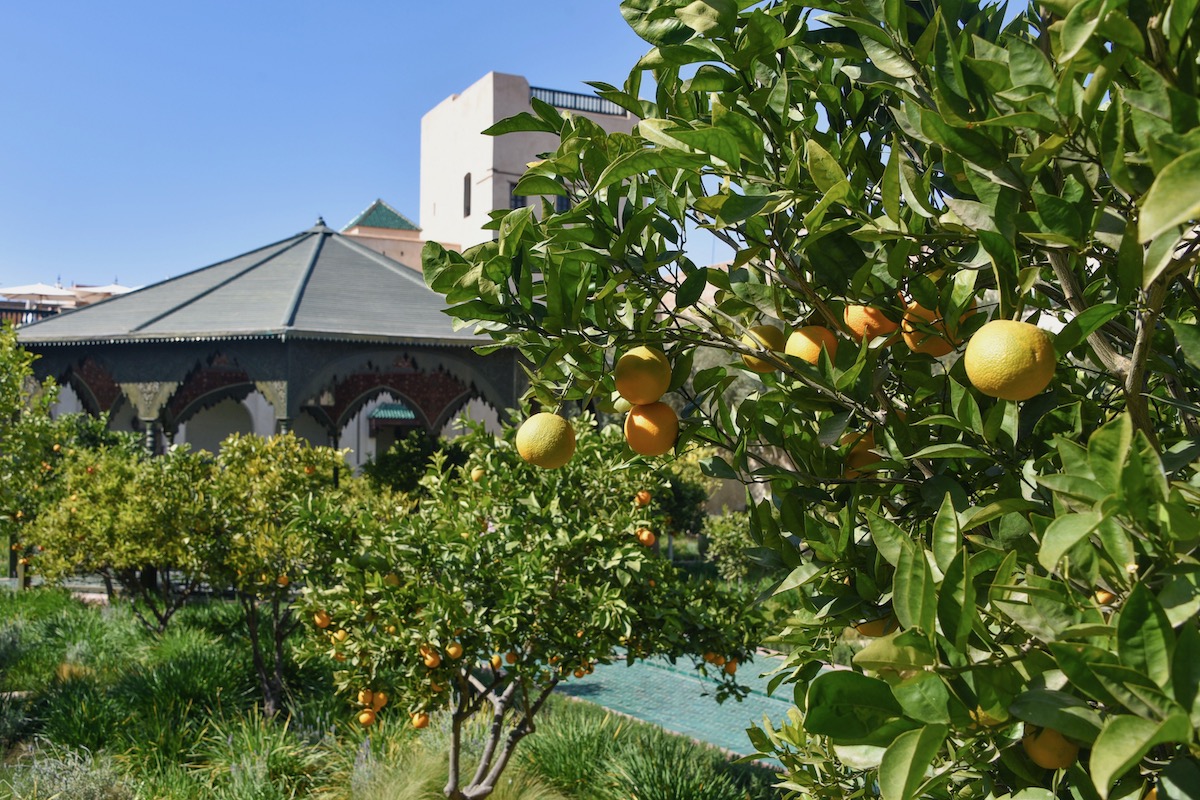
x,y
316,325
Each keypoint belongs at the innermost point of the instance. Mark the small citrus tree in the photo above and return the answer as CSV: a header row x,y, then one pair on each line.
x,y
117,512
1009,529
281,520
506,580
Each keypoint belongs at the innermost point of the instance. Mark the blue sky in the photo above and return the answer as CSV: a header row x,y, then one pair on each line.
x,y
139,140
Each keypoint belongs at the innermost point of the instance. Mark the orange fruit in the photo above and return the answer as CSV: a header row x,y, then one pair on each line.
x,y
1048,748
546,440
579,673
454,650
865,322
283,580
366,718
379,701
365,697
731,666
878,627
925,332
341,635
651,429
322,619
860,454
432,659
807,343
646,537
1010,360
420,720
511,657
478,472
643,375
642,498
1105,597
764,337
497,661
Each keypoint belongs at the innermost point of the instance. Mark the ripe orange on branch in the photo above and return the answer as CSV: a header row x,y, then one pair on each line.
x,y
651,429
1048,748
807,343
766,337
546,440
865,322
643,375
1010,360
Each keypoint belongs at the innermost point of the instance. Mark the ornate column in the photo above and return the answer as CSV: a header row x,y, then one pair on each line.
x,y
276,393
149,398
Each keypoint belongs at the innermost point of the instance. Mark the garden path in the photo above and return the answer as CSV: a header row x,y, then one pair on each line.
x,y
679,699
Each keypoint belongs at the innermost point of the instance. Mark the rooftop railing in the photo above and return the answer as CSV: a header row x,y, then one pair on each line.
x,y
573,101
24,316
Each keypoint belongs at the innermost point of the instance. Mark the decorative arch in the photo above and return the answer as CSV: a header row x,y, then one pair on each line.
x,y
93,382
216,379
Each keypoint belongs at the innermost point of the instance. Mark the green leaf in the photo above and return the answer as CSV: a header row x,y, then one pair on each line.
x,y
1063,712
655,21
692,288
1172,199
710,17
949,450
956,601
913,591
1125,739
1083,325
1188,336
946,536
908,758
1180,780
825,170
889,538
1107,450
848,706
1078,28
924,697
1145,640
1064,533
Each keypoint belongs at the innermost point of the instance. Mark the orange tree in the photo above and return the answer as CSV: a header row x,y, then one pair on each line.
x,y
893,176
116,512
280,520
506,580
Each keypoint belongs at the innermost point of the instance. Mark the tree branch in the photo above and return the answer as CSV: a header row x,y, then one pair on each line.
x,y
1113,361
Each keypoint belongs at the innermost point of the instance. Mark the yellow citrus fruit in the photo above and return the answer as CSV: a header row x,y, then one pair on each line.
x,y
497,661
1105,597
642,499
865,322
860,454
766,337
807,343
454,650
366,718
1010,360
322,619
643,375
432,659
1048,748
420,720
477,474
341,635
546,440
365,697
878,627
651,429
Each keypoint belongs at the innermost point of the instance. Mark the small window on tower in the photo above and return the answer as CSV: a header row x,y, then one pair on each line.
x,y
467,195
515,200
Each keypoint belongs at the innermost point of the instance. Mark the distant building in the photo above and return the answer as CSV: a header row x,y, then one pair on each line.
x,y
466,175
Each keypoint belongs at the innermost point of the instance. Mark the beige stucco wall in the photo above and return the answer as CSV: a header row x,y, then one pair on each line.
x,y
453,145
402,246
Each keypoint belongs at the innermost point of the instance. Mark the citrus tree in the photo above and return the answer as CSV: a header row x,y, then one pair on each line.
x,y
281,518
506,580
964,279
115,512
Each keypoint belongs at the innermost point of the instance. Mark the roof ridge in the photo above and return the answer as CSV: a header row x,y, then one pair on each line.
x,y
193,298
407,272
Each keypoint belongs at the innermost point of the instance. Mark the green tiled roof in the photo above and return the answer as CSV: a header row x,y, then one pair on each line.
x,y
393,411
380,215
317,284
